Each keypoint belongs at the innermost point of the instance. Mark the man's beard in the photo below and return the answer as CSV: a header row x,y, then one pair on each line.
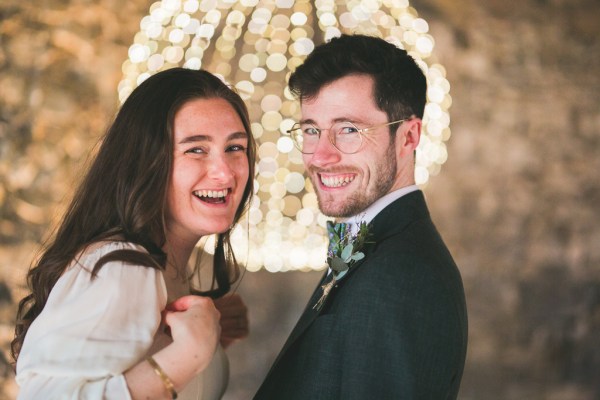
x,y
357,202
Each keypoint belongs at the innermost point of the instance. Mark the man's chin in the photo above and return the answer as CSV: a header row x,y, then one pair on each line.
x,y
340,202
335,209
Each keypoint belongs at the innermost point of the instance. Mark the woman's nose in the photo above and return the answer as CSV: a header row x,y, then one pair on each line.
x,y
220,169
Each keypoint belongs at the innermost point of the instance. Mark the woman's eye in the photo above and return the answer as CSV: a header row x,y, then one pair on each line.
x,y
195,150
236,147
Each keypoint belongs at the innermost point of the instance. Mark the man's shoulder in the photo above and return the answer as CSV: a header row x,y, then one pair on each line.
x,y
400,215
414,256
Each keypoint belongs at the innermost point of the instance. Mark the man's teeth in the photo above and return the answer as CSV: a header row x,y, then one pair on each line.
x,y
336,181
211,193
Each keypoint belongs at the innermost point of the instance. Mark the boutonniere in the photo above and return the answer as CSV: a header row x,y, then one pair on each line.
x,y
344,250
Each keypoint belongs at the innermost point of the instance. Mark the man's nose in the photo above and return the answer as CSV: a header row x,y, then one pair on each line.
x,y
325,153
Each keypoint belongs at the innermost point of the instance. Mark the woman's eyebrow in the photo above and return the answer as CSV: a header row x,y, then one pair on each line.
x,y
208,138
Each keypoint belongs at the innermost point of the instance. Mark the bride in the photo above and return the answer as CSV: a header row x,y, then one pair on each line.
x,y
112,313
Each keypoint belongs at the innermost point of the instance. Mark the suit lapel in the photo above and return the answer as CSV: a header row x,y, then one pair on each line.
x,y
310,313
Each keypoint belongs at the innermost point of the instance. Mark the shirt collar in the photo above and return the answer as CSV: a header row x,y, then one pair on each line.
x,y
375,208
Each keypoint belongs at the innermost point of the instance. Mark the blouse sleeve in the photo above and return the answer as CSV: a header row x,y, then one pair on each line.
x,y
92,330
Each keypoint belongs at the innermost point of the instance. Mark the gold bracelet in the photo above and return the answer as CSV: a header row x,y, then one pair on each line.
x,y
163,377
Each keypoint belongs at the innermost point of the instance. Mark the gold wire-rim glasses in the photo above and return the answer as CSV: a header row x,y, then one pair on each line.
x,y
296,132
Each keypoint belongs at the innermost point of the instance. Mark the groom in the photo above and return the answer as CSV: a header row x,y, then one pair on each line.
x,y
393,325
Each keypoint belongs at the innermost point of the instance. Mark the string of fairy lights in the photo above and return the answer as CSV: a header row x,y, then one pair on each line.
x,y
254,45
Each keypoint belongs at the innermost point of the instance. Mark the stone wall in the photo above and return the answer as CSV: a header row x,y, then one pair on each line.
x,y
517,201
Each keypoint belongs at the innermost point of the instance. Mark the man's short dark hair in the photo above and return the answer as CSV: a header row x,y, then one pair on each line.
x,y
400,85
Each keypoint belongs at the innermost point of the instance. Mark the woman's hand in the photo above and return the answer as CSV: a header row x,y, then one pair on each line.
x,y
234,318
195,329
194,325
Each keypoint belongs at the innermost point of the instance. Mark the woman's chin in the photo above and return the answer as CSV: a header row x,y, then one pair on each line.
x,y
218,228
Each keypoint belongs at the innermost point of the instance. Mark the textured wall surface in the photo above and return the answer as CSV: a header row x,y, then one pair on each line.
x,y
517,201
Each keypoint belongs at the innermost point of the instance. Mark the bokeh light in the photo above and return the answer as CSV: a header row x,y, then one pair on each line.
x,y
253,45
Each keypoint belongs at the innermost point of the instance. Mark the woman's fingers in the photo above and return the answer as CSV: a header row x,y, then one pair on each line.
x,y
183,303
234,318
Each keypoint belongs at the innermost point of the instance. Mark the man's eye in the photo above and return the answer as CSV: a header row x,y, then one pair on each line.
x,y
310,131
347,130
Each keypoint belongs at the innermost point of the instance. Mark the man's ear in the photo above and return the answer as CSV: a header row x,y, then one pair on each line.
x,y
408,136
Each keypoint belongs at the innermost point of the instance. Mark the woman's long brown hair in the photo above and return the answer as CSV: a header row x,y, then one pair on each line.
x,y
125,190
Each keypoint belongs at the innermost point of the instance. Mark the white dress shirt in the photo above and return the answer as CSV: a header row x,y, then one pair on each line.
x,y
92,330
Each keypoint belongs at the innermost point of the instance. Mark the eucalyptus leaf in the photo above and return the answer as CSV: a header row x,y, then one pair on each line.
x,y
347,252
338,265
357,256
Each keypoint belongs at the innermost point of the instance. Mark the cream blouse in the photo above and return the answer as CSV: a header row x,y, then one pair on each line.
x,y
93,330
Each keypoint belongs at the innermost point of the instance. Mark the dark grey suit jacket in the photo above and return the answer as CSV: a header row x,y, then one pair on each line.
x,y
394,328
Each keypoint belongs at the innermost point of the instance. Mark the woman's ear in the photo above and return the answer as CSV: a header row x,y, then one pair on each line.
x,y
408,136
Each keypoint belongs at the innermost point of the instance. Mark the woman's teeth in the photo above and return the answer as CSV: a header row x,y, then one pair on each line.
x,y
211,196
336,181
211,193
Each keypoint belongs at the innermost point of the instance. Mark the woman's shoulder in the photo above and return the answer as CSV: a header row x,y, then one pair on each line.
x,y
101,248
114,275
97,250
94,252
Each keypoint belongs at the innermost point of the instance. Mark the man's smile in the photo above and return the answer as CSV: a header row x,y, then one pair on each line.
x,y
338,180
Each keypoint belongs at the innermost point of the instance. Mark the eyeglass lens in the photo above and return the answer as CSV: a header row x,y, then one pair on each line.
x,y
345,136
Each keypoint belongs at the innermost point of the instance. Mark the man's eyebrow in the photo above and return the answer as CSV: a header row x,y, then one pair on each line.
x,y
208,138
336,120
